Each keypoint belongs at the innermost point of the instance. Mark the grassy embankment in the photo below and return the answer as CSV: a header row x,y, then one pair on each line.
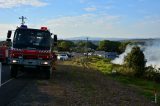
x,y
145,87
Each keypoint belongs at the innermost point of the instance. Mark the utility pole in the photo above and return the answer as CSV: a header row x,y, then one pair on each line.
x,y
22,18
87,47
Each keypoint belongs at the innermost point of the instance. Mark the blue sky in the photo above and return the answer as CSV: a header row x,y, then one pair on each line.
x,y
93,18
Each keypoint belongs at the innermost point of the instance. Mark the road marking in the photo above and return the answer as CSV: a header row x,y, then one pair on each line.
x,y
11,79
7,82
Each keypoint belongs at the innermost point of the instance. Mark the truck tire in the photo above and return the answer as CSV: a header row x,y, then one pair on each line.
x,y
48,73
14,71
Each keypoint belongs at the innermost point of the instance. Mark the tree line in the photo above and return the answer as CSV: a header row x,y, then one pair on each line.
x,y
80,46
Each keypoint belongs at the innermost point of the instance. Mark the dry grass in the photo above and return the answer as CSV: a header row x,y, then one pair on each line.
x,y
77,85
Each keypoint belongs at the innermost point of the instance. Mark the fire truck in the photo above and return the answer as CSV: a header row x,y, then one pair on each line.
x,y
32,49
3,54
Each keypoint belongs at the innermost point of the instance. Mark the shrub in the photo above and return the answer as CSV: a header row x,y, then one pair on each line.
x,y
125,71
152,74
136,61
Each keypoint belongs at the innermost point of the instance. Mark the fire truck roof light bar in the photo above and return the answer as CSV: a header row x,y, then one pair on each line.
x,y
44,28
23,27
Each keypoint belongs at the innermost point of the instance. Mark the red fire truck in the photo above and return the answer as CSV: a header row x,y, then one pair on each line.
x,y
32,48
3,54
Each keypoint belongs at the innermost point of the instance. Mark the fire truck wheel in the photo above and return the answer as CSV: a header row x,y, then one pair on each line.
x,y
14,71
48,73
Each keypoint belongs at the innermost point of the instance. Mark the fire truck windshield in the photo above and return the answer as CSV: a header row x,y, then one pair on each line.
x,y
32,39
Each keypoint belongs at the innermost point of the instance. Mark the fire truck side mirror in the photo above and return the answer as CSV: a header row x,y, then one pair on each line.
x,y
9,34
8,40
55,40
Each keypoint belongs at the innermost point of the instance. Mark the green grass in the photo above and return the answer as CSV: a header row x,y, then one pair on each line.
x,y
105,68
101,64
145,87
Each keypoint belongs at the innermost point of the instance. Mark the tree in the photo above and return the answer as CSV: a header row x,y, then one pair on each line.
x,y
88,44
123,46
136,61
91,45
109,46
65,45
81,46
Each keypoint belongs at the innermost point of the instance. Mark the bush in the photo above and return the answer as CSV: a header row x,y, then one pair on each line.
x,y
152,74
104,67
97,58
136,61
107,60
125,71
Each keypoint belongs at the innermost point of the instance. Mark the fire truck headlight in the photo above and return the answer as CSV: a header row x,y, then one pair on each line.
x,y
20,57
45,63
14,61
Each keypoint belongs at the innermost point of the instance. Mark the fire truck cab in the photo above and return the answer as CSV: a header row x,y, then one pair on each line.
x,y
31,48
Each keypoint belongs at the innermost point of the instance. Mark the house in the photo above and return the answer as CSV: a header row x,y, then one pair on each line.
x,y
100,53
111,55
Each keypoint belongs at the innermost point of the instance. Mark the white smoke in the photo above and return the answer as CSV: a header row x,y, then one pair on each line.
x,y
120,59
152,54
151,51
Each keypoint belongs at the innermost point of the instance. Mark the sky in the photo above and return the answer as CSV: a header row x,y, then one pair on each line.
x,y
92,18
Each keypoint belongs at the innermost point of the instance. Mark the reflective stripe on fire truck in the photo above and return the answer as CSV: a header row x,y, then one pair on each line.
x,y
44,51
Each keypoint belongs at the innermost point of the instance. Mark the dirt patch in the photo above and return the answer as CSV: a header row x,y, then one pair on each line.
x,y
72,85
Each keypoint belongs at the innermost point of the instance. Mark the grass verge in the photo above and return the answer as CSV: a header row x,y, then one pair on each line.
x,y
145,87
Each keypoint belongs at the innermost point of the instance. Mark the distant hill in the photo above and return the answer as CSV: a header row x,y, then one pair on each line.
x,y
94,38
143,40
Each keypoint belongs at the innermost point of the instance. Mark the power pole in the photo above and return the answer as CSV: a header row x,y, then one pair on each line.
x,y
22,18
87,47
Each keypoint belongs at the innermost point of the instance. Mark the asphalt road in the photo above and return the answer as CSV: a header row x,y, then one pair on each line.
x,y
11,87
5,73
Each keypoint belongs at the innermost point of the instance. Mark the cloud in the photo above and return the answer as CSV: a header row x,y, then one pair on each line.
x,y
90,9
15,3
104,25
4,29
83,25
93,25
148,26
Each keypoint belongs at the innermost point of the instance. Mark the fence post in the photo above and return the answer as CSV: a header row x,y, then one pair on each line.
x,y
0,73
155,96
